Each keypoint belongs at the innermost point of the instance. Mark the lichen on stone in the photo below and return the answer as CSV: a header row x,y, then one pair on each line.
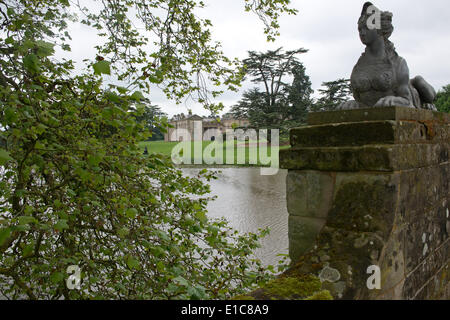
x,y
329,274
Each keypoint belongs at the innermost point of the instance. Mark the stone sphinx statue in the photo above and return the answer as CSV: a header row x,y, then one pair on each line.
x,y
380,78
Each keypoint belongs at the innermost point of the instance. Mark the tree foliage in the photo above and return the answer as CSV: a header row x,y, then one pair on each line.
x,y
74,186
279,104
442,101
153,119
333,95
299,96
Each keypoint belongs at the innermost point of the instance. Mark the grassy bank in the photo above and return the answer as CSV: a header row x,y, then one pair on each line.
x,y
239,153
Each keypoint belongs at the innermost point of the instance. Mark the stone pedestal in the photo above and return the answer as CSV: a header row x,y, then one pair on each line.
x,y
370,187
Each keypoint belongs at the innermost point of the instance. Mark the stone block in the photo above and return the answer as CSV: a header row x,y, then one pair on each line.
x,y
364,202
309,193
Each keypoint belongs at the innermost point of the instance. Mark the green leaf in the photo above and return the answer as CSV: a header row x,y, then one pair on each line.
x,y
94,160
102,67
201,215
57,277
122,90
163,235
157,78
197,293
28,249
10,115
160,266
131,213
181,281
44,48
31,63
133,263
4,235
28,210
113,97
26,220
4,156
61,225
136,201
40,128
123,232
21,227
137,95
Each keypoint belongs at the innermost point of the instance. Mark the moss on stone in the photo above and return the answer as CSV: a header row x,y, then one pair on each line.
x,y
293,288
243,297
321,295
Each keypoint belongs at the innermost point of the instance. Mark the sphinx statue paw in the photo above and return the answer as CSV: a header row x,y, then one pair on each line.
x,y
393,101
429,106
348,105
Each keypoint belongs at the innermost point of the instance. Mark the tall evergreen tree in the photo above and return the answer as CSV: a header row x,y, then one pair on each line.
x,y
279,104
299,95
333,95
151,117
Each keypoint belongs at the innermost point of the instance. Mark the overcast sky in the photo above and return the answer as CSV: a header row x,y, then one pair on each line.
x,y
328,29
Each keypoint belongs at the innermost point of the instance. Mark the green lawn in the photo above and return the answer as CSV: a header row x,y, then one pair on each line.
x,y
241,149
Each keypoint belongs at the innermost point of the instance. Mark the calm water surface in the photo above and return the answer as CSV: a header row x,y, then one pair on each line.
x,y
250,201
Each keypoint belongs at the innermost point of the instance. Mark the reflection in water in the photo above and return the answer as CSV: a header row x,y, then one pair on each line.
x,y
251,201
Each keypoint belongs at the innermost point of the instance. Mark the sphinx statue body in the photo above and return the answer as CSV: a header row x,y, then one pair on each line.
x,y
380,78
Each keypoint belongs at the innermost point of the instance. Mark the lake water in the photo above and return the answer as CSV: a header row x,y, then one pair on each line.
x,y
250,201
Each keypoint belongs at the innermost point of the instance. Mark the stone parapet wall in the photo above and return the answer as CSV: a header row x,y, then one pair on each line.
x,y
371,190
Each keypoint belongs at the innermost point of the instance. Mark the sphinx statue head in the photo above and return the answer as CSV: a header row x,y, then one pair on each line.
x,y
380,78
370,31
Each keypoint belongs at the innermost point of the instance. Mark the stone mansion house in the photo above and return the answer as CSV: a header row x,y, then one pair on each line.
x,y
203,124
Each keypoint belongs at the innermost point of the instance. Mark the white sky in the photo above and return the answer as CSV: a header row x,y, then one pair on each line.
x,y
328,28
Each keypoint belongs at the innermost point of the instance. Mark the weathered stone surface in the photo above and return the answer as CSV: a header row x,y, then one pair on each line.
x,y
363,203
302,234
422,240
350,256
432,183
392,262
344,134
365,158
377,114
309,193
430,269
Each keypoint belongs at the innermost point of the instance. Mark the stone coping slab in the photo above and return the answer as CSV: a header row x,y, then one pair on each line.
x,y
369,132
376,114
384,158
